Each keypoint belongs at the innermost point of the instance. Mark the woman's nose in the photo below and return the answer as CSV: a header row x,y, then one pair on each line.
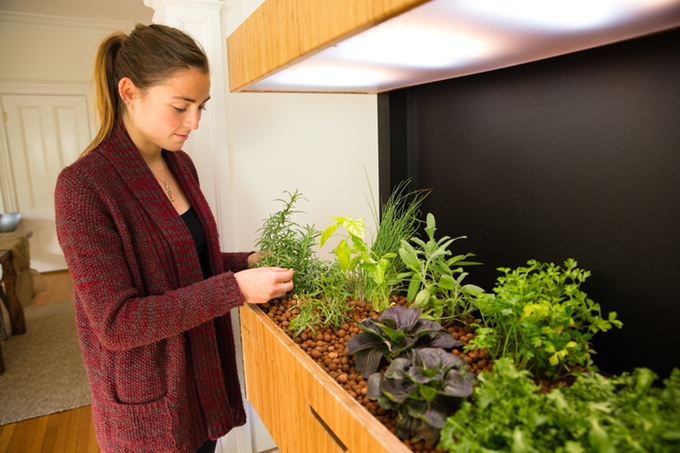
x,y
193,119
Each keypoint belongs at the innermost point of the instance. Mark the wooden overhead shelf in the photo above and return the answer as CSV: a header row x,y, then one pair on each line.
x,y
280,32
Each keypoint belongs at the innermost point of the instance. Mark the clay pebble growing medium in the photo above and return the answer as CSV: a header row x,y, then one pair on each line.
x,y
327,348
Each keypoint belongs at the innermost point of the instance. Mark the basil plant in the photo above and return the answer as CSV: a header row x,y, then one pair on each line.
x,y
424,390
398,331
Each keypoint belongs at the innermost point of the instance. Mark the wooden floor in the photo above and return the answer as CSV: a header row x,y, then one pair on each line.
x,y
69,431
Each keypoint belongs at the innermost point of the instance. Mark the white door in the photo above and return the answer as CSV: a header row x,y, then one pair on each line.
x,y
44,133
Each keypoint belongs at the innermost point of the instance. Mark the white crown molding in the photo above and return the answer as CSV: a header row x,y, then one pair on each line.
x,y
46,87
26,20
205,4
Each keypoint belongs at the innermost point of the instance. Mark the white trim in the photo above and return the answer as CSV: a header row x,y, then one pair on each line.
x,y
9,86
8,196
206,4
201,19
25,20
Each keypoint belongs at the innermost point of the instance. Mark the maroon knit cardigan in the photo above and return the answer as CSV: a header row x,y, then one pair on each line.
x,y
156,337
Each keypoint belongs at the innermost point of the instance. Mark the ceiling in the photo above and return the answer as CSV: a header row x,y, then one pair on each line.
x,y
111,10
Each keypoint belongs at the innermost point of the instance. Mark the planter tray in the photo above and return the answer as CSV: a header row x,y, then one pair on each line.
x,y
303,408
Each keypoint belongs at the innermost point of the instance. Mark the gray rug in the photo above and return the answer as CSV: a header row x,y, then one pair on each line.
x,y
44,370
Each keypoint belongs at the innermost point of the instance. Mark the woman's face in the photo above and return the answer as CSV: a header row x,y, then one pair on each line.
x,y
163,116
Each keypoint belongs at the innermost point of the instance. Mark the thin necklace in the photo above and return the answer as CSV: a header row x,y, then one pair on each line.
x,y
165,186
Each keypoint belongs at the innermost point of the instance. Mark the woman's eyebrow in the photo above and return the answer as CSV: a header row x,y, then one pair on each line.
x,y
183,98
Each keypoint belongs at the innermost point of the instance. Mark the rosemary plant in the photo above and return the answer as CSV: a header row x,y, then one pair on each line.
x,y
328,307
285,243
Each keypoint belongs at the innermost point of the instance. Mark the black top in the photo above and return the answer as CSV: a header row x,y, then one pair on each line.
x,y
196,229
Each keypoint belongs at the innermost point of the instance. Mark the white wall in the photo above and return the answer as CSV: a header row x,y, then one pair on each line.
x,y
39,49
324,145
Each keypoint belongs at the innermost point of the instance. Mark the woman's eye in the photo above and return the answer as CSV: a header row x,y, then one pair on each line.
x,y
180,109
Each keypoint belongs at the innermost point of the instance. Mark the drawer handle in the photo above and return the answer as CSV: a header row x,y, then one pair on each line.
x,y
328,429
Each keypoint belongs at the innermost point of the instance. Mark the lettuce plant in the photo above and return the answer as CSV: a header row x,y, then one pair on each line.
x,y
424,390
398,331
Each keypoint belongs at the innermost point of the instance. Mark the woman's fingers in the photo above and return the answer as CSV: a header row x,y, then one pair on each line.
x,y
263,284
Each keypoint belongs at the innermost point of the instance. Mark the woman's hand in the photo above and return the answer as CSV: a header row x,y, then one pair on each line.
x,y
253,258
263,284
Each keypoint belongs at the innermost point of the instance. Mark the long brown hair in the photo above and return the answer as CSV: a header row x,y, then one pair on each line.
x,y
147,56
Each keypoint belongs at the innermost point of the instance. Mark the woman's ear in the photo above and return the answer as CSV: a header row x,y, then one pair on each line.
x,y
127,91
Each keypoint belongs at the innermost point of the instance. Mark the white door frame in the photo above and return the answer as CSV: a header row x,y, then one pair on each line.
x,y
201,19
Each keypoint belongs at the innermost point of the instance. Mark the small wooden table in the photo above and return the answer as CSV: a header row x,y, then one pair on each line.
x,y
14,308
16,316
9,298
3,257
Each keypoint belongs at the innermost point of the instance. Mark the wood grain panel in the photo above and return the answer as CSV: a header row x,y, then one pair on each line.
x,y
280,32
275,395
68,431
303,408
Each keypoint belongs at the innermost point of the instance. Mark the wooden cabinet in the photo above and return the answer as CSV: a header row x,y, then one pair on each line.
x,y
303,408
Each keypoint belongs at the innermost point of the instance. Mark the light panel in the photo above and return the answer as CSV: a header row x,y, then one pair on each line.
x,y
442,39
556,16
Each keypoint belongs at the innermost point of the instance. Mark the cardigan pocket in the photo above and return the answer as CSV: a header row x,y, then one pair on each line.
x,y
138,427
140,375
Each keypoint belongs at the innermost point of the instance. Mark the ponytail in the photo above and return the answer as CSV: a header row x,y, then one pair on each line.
x,y
107,100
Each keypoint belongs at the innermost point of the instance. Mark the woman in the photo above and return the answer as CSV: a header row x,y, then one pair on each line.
x,y
152,289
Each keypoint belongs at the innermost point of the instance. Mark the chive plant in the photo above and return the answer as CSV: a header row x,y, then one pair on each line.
x,y
399,220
